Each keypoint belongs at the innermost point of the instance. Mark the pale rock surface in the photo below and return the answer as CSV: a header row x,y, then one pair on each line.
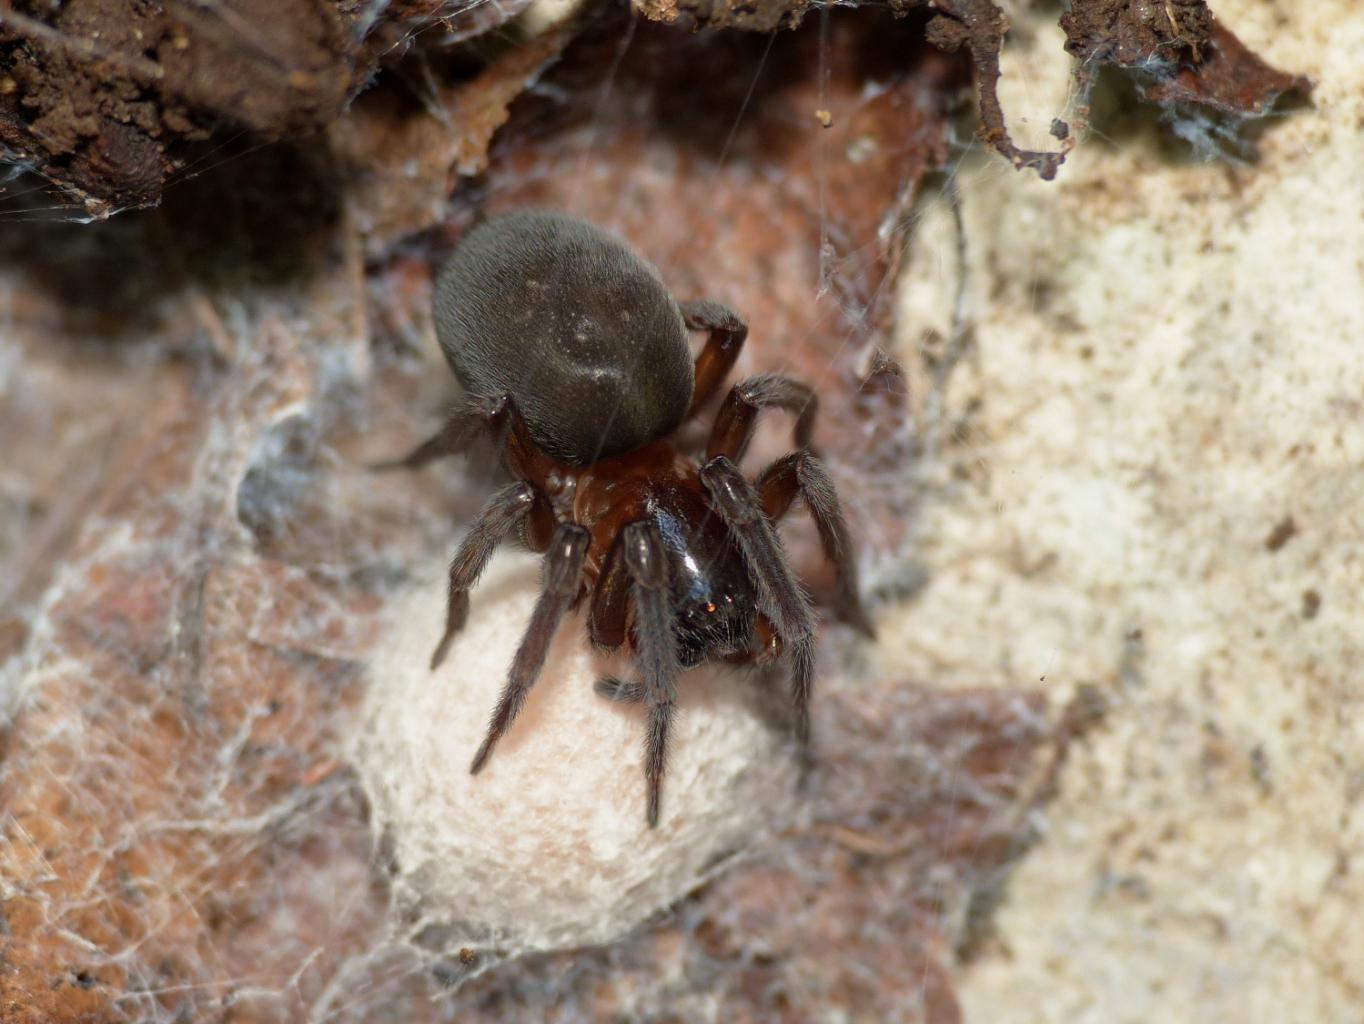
x,y
547,847
1170,365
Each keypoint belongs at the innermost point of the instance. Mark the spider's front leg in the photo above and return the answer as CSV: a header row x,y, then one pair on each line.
x,y
637,568
782,598
765,650
646,562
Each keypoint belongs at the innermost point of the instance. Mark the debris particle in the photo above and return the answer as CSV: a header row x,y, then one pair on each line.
x,y
1284,531
1311,604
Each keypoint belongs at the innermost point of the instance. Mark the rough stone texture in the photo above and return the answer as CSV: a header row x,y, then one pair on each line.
x,y
1155,475
401,158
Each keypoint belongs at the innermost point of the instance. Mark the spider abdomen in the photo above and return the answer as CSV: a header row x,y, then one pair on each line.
x,y
574,325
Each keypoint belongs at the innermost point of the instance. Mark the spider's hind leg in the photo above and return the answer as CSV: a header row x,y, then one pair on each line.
x,y
472,420
619,691
502,513
563,577
721,351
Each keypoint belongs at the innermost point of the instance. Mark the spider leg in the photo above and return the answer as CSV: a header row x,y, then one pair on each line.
x,y
767,647
606,620
619,691
781,597
716,360
494,521
465,425
735,422
563,576
803,473
646,563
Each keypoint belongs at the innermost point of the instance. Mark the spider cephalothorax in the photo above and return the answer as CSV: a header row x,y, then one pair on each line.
x,y
575,360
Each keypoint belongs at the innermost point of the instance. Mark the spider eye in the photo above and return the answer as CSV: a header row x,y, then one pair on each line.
x,y
710,607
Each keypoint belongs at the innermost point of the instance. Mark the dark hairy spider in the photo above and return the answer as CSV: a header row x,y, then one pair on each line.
x,y
575,360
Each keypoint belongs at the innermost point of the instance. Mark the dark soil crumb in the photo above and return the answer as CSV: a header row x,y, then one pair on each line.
x,y
1284,531
1129,33
1311,604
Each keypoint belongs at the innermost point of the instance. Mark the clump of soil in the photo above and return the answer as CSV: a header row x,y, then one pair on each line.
x,y
102,96
110,100
1127,33
107,98
1179,53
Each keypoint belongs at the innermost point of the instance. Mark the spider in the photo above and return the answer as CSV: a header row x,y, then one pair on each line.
x,y
575,361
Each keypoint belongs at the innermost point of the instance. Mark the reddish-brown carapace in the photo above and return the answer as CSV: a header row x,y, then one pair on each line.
x,y
575,361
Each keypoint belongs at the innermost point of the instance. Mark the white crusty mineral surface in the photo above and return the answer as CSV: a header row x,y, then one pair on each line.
x,y
1164,418
547,847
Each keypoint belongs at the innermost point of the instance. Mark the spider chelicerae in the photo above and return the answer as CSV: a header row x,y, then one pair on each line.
x,y
575,361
